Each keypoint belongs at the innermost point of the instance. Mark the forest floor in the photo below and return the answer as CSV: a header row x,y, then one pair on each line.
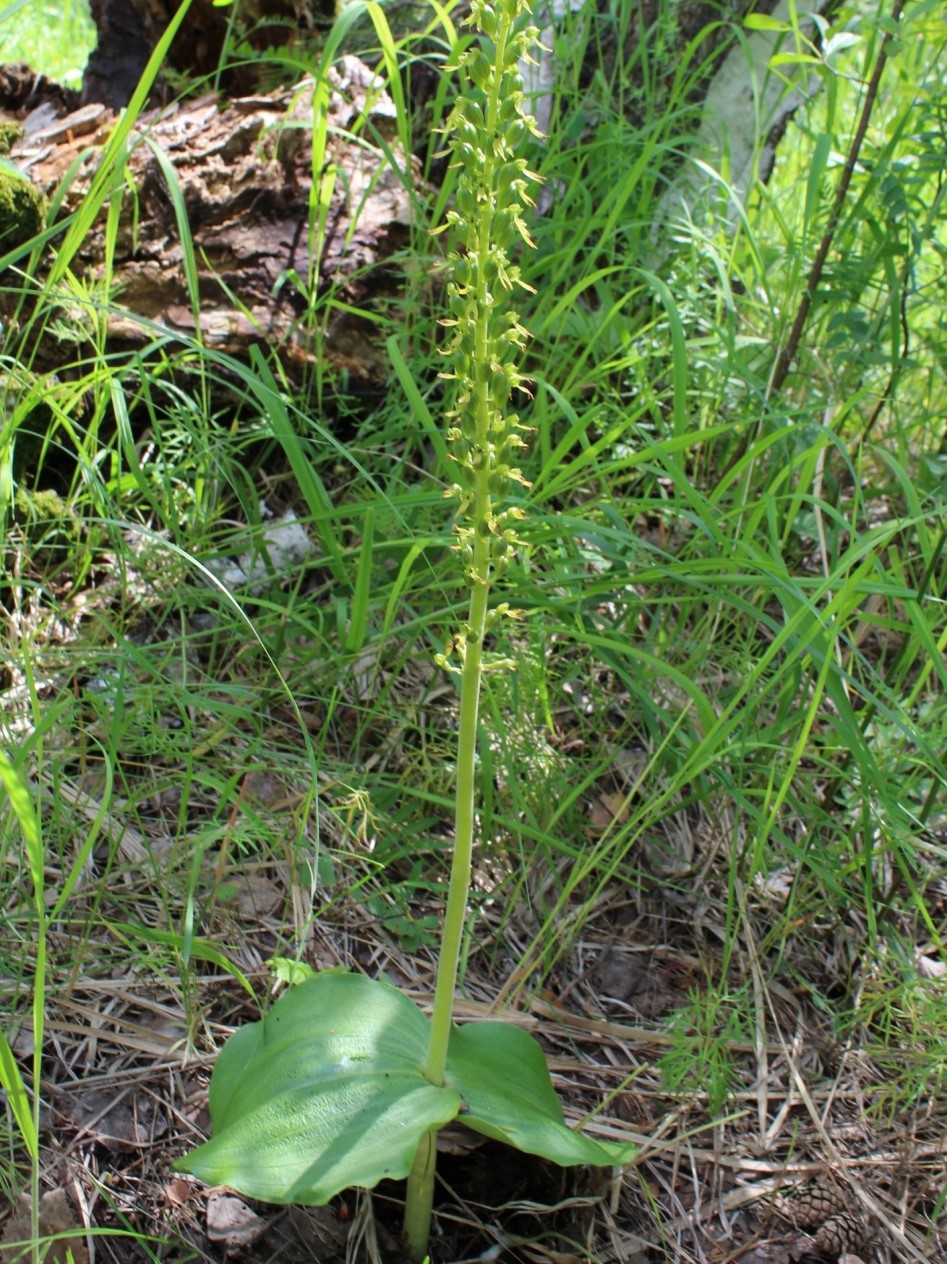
x,y
766,1146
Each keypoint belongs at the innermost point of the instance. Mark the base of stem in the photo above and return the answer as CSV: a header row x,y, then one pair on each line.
x,y
419,1198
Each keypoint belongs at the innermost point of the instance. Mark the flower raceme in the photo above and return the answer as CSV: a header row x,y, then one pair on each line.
x,y
487,125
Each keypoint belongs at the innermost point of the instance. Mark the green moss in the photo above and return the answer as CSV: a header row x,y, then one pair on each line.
x,y
42,505
10,133
22,209
49,526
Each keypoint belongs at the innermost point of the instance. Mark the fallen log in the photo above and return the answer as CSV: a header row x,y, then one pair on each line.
x,y
222,234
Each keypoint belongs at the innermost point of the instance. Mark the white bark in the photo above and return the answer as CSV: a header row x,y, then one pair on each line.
x,y
539,75
746,101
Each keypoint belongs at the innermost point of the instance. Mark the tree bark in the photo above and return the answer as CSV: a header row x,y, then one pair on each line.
x,y
744,101
128,31
243,170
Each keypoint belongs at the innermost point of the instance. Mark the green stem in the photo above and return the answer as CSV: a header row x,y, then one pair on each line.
x,y
419,1195
472,675
464,821
419,1198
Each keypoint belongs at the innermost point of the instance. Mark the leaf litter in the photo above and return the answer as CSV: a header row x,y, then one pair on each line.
x,y
128,1094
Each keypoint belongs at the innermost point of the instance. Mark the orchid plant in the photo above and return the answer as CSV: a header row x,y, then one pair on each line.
x,y
346,1081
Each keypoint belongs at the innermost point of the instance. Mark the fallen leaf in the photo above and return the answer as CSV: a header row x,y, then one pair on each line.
x,y
118,1125
56,1219
249,895
931,968
231,1222
606,811
178,1191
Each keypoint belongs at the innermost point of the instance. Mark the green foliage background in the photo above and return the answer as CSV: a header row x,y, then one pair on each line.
x,y
54,37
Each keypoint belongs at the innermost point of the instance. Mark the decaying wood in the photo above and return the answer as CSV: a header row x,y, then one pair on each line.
x,y
243,170
22,90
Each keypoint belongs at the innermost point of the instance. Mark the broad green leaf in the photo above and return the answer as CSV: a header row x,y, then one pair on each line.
x,y
328,1091
501,1074
325,1093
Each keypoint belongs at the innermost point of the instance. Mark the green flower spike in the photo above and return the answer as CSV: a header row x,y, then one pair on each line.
x,y
487,124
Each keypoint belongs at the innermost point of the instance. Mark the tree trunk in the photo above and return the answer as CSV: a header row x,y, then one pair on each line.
x,y
744,101
740,99
128,31
245,184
